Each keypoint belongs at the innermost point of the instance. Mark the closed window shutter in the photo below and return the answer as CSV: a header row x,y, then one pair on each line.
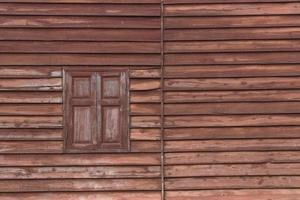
x,y
96,105
112,105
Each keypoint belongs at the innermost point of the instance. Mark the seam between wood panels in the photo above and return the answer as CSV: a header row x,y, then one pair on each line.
x,y
162,159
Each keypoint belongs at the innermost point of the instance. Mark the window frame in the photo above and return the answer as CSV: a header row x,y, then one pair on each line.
x,y
126,109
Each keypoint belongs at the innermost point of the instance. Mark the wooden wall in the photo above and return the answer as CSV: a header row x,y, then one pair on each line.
x,y
38,39
232,99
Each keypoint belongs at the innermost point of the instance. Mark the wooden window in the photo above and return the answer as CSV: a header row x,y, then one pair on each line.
x,y
96,104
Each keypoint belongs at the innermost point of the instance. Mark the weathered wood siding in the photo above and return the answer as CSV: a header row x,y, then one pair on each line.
x,y
232,99
38,39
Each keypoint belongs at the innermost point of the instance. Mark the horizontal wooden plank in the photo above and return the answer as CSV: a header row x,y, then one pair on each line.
x,y
31,147
79,185
145,146
233,145
78,22
218,1
85,1
31,109
233,58
233,183
30,122
233,170
31,134
145,134
233,96
140,159
30,97
87,34
219,71
144,84
82,9
30,72
233,83
155,195
232,9
193,33
232,46
145,73
79,47
232,120
151,96
232,157
143,109
231,108
231,133
261,194
79,172
145,121
50,84
79,59
232,21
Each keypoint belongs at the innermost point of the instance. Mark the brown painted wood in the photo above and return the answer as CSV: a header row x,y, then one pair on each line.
x,y
223,1
145,134
35,109
30,122
20,147
151,96
232,133
233,96
232,9
80,9
146,195
85,1
31,134
30,97
30,72
51,84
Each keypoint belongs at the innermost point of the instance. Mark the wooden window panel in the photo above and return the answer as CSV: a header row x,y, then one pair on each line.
x,y
96,110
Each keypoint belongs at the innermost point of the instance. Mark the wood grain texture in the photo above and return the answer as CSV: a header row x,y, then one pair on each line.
x,y
30,97
31,134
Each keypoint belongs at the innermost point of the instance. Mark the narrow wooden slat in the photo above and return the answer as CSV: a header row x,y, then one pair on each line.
x,y
231,108
232,157
31,134
193,33
83,195
232,9
233,183
232,46
145,121
145,73
233,145
87,34
233,58
144,84
145,134
261,194
220,71
232,22
79,47
152,96
77,22
30,72
30,122
231,120
79,172
79,185
85,1
145,146
233,96
30,97
79,59
80,9
143,109
231,133
233,83
31,109
140,159
31,147
44,84
233,170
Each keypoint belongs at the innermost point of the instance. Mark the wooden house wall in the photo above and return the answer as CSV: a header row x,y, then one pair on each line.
x,y
231,99
38,39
